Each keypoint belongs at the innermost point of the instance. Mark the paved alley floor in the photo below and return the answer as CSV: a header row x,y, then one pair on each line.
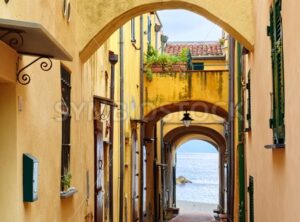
x,y
195,217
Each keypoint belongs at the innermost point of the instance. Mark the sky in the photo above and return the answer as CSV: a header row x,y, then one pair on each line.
x,y
197,146
182,25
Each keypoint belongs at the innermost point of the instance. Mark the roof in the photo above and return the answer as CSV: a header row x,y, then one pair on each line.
x,y
198,49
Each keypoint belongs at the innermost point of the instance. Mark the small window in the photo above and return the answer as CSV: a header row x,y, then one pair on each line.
x,y
133,30
198,66
277,96
149,30
66,122
248,104
251,198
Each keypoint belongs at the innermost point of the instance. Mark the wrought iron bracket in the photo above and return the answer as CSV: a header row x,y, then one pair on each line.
x,y
46,65
105,113
12,37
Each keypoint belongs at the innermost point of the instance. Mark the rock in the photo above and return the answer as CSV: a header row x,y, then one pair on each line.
x,y
182,180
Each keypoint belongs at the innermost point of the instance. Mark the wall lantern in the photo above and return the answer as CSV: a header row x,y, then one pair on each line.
x,y
186,119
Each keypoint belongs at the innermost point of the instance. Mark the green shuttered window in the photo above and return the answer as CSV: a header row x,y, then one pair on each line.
x,y
251,198
276,37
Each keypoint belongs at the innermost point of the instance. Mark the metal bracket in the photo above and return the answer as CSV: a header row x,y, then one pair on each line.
x,y
12,37
24,78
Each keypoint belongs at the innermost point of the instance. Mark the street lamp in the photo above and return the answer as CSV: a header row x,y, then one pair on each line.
x,y
186,119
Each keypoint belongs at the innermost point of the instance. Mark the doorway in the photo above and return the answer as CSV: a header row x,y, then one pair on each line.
x,y
99,162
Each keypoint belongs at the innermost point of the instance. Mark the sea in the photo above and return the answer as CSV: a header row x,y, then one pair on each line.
x,y
203,170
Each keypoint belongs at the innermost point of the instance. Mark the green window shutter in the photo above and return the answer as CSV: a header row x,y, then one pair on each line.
x,y
275,33
249,100
251,198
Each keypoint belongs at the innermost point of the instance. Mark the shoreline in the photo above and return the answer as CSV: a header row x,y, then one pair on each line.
x,y
195,207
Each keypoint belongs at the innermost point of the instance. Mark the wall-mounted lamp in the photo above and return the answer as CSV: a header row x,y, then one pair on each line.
x,y
164,39
186,119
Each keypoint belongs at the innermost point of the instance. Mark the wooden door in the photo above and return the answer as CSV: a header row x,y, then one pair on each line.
x,y
98,157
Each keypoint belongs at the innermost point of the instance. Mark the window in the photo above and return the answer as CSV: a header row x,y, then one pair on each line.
x,y
248,114
149,30
276,37
66,121
198,66
133,30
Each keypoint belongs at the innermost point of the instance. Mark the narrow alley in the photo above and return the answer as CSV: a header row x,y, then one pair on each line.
x,y
149,110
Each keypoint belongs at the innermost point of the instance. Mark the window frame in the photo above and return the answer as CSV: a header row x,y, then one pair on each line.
x,y
199,64
66,122
275,32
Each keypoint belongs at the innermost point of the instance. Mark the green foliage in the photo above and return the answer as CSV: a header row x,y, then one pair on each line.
x,y
149,74
153,57
66,180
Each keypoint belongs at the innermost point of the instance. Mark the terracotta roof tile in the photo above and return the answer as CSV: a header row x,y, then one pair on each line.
x,y
197,48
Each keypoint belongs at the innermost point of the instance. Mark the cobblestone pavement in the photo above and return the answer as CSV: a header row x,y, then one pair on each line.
x,y
195,217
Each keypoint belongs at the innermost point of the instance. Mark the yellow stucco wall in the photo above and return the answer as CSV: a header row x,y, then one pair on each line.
x,y
8,63
211,87
9,189
95,69
213,64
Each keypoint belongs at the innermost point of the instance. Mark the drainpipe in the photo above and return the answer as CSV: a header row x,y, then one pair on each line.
x,y
121,124
142,128
155,178
163,169
231,129
241,153
113,59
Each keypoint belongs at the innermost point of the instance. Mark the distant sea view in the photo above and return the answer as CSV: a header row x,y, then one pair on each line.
x,y
202,170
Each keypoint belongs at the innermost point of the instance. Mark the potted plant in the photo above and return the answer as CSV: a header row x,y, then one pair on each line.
x,y
66,181
156,62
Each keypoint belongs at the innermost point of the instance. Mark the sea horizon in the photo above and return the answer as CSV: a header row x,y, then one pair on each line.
x,y
201,168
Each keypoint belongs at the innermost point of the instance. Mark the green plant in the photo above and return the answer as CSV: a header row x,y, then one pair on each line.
x,y
183,55
222,41
149,74
66,180
164,60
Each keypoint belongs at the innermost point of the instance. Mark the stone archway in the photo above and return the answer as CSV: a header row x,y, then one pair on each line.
x,y
99,18
177,136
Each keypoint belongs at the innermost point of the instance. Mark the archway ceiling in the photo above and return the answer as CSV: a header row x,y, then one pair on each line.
x,y
178,133
98,19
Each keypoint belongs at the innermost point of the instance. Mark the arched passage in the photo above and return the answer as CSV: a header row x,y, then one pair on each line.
x,y
98,24
180,135
152,143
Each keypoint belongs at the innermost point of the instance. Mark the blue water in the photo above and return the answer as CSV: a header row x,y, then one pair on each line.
x,y
203,170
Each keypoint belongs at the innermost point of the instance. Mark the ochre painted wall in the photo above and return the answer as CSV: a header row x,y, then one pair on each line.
x,y
211,87
95,69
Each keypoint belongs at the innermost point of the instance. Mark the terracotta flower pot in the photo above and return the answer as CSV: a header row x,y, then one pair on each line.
x,y
176,67
156,68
